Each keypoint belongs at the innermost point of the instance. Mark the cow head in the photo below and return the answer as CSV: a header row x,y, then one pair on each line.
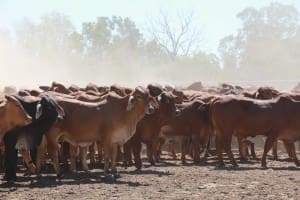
x,y
48,108
167,104
266,93
141,97
12,114
155,89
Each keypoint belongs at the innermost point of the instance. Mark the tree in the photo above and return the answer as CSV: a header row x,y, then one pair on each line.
x,y
266,45
176,39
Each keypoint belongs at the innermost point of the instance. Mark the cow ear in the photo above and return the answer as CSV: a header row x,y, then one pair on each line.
x,y
39,111
11,98
130,104
2,105
159,98
60,111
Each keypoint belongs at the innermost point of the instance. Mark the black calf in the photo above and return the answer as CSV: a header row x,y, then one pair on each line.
x,y
44,114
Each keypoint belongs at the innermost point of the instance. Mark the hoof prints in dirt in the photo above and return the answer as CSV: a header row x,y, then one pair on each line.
x,y
167,180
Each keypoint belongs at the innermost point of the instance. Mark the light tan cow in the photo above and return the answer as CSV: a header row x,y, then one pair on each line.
x,y
112,121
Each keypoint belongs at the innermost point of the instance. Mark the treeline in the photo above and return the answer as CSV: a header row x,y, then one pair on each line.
x,y
114,49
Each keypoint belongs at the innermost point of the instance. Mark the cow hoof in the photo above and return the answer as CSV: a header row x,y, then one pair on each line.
x,y
10,184
152,163
220,165
117,175
138,170
60,176
10,179
92,165
27,174
110,178
235,166
264,166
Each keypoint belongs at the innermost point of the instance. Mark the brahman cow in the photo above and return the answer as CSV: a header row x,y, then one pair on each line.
x,y
192,122
276,119
147,130
112,121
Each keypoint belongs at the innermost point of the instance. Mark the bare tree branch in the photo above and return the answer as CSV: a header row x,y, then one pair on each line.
x,y
176,39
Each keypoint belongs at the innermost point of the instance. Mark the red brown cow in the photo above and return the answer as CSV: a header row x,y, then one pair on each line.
x,y
192,122
12,114
112,121
147,130
276,119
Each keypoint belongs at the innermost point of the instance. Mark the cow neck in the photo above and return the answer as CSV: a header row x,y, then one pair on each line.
x,y
158,115
135,114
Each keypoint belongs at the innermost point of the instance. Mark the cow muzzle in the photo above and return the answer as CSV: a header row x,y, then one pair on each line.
x,y
177,112
150,110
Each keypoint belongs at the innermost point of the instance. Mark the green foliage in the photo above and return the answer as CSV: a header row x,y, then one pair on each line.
x,y
266,46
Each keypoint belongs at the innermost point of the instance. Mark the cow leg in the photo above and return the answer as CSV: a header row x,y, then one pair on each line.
x,y
33,155
275,154
253,154
41,153
227,148
219,150
10,162
150,151
196,150
92,155
72,152
83,155
100,151
127,153
114,155
172,149
137,147
268,145
64,152
53,153
2,149
28,160
120,156
107,156
157,148
182,148
288,150
242,147
292,150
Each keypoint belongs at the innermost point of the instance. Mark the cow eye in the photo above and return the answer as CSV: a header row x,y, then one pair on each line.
x,y
138,96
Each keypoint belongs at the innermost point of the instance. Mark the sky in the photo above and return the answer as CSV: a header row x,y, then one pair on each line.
x,y
216,18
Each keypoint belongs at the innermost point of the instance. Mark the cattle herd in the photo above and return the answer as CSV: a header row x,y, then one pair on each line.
x,y
73,123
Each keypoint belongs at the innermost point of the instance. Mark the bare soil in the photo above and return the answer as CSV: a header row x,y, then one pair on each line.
x,y
169,179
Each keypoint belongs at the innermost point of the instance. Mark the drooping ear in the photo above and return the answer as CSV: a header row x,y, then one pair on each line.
x,y
131,103
11,98
2,105
39,111
256,95
60,111
159,98
153,102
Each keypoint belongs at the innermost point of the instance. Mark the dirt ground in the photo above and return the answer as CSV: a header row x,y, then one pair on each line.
x,y
168,180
